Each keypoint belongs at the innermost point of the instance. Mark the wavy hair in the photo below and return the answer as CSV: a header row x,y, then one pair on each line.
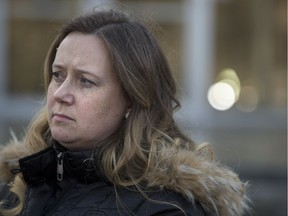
x,y
147,80
145,76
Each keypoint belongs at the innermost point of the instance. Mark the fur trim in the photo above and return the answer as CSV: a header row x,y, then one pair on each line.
x,y
9,156
191,173
218,189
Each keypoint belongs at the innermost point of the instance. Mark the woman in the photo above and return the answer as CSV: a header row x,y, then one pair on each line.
x,y
106,142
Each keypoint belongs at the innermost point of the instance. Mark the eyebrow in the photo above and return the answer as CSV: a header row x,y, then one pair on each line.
x,y
79,70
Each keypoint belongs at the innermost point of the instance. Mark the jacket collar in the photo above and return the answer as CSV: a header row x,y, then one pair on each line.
x,y
192,173
58,163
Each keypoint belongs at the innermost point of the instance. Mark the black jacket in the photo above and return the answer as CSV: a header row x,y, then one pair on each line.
x,y
81,189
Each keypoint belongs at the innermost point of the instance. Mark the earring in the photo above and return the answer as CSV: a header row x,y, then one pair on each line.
x,y
127,115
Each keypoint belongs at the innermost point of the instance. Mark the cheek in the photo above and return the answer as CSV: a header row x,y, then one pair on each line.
x,y
91,118
94,111
102,113
49,99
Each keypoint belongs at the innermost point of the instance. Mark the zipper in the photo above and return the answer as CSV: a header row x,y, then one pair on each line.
x,y
60,170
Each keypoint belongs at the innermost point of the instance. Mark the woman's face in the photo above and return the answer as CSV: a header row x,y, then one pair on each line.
x,y
85,101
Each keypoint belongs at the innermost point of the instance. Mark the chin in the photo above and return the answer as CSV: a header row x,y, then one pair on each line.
x,y
61,138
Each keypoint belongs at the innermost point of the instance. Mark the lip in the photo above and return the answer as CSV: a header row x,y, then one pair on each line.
x,y
61,117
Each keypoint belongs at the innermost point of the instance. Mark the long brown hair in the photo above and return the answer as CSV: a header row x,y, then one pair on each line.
x,y
146,78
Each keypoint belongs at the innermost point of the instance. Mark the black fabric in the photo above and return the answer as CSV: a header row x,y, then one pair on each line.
x,y
85,191
4,190
39,167
7,198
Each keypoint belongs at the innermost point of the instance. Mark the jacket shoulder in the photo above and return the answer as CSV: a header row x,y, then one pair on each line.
x,y
169,203
10,153
217,188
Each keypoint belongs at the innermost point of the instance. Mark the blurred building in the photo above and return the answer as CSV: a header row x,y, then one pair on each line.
x,y
229,60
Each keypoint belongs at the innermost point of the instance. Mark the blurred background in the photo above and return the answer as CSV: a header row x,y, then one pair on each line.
x,y
229,58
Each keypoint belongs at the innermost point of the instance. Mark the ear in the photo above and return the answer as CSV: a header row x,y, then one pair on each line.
x,y
128,109
127,113
129,105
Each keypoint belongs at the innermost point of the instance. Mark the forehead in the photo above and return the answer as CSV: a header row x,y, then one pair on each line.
x,y
78,49
85,45
84,52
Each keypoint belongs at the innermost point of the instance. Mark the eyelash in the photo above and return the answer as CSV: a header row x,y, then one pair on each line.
x,y
83,81
86,82
57,77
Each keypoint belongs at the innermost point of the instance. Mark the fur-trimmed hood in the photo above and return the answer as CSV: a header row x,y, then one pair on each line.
x,y
194,174
198,177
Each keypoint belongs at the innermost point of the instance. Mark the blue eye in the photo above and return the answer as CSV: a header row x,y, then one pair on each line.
x,y
57,76
86,82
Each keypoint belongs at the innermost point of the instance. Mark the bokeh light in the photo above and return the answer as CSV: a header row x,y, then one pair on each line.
x,y
221,96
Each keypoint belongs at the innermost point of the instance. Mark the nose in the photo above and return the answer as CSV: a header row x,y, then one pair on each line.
x,y
65,93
